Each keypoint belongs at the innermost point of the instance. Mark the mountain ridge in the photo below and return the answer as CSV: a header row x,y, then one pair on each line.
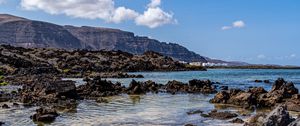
x,y
19,31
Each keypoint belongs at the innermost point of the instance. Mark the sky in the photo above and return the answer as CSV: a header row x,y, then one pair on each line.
x,y
253,31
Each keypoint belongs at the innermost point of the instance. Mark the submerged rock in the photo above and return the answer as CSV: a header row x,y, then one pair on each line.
x,y
5,106
194,112
237,120
45,115
222,115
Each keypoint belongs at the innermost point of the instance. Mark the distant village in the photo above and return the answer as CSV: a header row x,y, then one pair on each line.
x,y
208,64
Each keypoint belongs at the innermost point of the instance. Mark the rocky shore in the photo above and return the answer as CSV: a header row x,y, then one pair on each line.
x,y
19,61
53,94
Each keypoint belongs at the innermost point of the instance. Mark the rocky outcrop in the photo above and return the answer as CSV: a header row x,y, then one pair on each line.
x,y
97,87
43,90
82,63
257,97
23,32
143,87
194,86
278,117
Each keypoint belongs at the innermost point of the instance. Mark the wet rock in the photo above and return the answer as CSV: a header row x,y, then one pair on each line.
x,y
99,88
194,112
235,97
135,88
176,86
222,115
1,123
190,125
102,100
258,81
267,81
202,86
221,97
152,86
280,90
15,104
293,104
5,106
4,97
256,120
295,123
224,88
143,87
45,115
258,97
278,117
237,120
194,86
48,90
243,99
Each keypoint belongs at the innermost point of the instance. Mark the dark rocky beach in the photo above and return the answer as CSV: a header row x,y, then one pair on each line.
x,y
39,74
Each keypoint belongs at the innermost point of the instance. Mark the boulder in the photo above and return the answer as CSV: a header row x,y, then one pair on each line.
x,y
99,88
45,115
222,115
136,88
278,117
202,86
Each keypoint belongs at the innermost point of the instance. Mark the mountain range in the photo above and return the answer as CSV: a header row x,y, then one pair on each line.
x,y
19,31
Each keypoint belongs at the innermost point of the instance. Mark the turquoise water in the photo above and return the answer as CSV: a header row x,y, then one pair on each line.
x,y
156,109
229,77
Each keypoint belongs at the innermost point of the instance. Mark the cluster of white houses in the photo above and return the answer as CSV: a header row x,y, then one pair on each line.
x,y
208,64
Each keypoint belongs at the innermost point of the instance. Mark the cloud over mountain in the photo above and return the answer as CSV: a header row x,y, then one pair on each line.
x,y
105,10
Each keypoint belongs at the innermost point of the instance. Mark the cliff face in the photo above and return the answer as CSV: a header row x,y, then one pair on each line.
x,y
22,32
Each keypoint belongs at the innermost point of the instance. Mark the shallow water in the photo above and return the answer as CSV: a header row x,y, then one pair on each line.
x,y
155,109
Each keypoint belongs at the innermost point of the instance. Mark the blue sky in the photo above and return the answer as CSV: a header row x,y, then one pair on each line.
x,y
269,33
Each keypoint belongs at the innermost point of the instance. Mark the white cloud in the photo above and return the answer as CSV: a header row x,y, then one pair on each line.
x,y
122,13
154,3
236,24
261,56
106,10
226,27
154,17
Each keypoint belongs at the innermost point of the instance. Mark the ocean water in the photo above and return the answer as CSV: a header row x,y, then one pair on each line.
x,y
157,109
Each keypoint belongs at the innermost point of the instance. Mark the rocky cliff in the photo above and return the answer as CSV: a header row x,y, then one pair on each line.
x,y
23,32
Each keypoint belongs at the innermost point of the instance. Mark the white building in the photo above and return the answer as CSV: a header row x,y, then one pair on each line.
x,y
208,64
